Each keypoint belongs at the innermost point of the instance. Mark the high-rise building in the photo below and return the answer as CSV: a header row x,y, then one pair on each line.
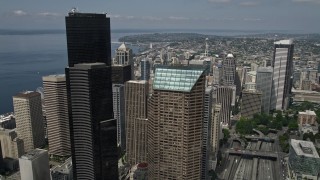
x,y
251,103
29,119
35,165
206,132
145,70
215,136
119,114
282,73
124,56
136,96
63,171
93,131
264,84
55,97
175,123
225,97
11,145
229,70
121,74
306,85
88,38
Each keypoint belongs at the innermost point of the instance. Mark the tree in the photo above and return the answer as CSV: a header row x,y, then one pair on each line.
x,y
226,134
293,126
244,126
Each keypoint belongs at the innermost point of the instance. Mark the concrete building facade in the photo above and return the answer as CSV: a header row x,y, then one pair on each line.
x,y
35,165
307,117
264,85
136,97
55,97
11,145
251,103
175,123
29,119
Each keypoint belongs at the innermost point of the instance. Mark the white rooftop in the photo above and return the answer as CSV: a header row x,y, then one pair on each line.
x,y
230,56
122,47
304,148
308,112
287,42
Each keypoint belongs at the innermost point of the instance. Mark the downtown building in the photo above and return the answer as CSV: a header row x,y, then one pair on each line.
x,y
29,119
55,97
145,69
136,97
123,56
93,131
264,85
251,103
282,72
175,119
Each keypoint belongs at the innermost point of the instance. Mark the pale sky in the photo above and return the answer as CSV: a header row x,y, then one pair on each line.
x,y
292,15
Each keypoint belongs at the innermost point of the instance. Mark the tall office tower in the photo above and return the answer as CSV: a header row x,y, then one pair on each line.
x,y
119,114
175,123
225,97
264,85
35,165
136,96
124,57
229,70
216,75
145,70
11,145
55,97
206,132
251,77
251,103
88,38
282,72
93,131
29,119
121,74
215,130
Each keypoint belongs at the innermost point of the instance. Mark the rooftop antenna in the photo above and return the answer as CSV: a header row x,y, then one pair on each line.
x,y
74,10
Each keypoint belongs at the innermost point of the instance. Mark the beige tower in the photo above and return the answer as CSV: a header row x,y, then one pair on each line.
x,y
55,97
175,123
136,95
29,119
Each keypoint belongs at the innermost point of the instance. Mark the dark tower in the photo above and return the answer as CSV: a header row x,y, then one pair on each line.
x,y
93,131
88,38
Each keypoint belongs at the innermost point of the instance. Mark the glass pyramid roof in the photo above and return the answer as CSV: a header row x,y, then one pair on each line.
x,y
172,78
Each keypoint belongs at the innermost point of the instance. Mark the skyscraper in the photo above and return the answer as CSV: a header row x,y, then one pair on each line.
x,y
225,97
136,96
124,56
228,70
264,84
29,119
251,103
119,114
93,130
175,123
145,70
88,38
55,97
282,72
215,135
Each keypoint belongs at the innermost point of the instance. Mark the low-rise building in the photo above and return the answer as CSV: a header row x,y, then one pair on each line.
x,y
304,161
307,128
307,117
63,171
139,172
11,145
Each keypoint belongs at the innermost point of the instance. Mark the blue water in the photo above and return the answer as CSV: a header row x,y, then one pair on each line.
x,y
24,59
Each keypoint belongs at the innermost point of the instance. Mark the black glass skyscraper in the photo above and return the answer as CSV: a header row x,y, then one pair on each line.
x,y
88,38
93,131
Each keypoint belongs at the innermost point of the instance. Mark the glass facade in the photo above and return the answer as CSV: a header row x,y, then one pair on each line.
x,y
182,79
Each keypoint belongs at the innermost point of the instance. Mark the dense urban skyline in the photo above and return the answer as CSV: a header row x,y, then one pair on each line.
x,y
293,15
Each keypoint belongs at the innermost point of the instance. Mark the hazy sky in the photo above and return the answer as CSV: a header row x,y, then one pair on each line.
x,y
296,15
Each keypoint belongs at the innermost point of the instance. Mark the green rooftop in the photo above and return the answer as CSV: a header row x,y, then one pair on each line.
x,y
176,78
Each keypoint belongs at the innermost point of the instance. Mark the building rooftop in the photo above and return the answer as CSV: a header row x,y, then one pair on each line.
x,y
64,168
54,77
34,154
123,47
177,78
88,65
230,56
27,94
138,81
286,42
6,117
304,148
308,112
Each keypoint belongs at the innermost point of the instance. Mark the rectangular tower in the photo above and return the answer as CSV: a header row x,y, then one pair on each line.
x,y
29,119
55,97
136,96
251,103
282,72
264,84
225,95
88,38
93,131
35,165
175,123
145,70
